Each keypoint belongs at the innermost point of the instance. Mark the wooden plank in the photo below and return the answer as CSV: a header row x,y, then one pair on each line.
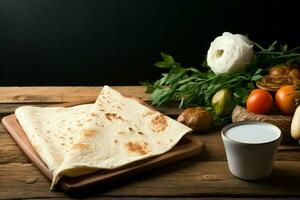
x,y
2,129
24,181
62,94
189,179
214,150
8,108
183,198
10,152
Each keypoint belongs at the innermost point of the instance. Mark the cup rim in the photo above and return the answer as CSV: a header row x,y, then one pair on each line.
x,y
228,126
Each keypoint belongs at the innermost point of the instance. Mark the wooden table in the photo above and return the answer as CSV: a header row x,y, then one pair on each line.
x,y
205,176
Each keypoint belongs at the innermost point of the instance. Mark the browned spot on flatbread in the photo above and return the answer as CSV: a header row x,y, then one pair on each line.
x,y
158,142
130,129
138,147
71,138
80,146
121,132
112,116
140,133
89,132
69,129
115,141
79,124
94,114
88,120
148,113
159,123
61,137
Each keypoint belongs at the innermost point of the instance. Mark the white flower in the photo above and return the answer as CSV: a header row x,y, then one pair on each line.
x,y
229,53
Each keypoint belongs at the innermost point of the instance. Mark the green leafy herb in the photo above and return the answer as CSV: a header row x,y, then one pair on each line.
x,y
196,86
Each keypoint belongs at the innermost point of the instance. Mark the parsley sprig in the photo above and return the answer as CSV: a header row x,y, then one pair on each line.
x,y
195,86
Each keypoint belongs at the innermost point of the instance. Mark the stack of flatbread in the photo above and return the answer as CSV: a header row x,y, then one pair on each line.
x,y
114,131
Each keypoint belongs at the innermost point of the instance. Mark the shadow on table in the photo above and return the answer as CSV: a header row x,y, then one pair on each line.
x,y
284,176
284,179
102,188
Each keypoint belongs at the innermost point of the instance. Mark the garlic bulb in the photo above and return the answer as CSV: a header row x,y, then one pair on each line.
x,y
229,53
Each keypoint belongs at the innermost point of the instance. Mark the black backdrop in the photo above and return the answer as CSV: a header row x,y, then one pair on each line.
x,y
115,42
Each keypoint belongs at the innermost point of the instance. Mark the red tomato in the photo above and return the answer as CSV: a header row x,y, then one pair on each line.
x,y
259,101
285,99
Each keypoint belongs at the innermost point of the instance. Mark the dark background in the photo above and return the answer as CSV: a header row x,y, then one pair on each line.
x,y
115,42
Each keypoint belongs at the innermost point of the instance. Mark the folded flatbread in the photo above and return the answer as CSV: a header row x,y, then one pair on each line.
x,y
52,131
111,133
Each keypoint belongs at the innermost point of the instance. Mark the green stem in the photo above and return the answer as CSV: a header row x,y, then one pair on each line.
x,y
260,47
294,49
270,52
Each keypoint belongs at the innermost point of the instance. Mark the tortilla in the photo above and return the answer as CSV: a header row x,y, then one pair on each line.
x,y
113,132
52,130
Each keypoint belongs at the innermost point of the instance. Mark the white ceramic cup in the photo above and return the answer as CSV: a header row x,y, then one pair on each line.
x,y
250,148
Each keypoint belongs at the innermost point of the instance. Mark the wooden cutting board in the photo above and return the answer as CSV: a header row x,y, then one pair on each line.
x,y
190,145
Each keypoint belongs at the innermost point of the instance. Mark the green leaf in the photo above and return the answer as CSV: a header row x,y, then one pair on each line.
x,y
167,58
175,75
258,71
160,96
260,47
149,87
193,87
192,69
241,94
272,46
284,48
293,50
162,64
256,77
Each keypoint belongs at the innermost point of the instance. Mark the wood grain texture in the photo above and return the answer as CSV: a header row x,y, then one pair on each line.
x,y
61,94
205,176
2,129
8,108
10,152
182,198
186,178
214,150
